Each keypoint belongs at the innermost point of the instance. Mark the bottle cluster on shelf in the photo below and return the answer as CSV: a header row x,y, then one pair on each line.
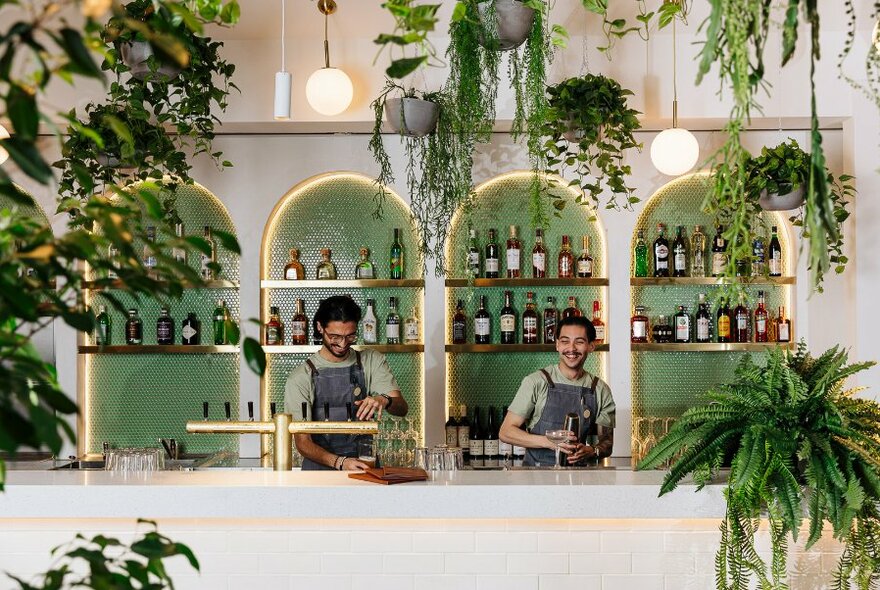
x,y
726,325
532,328
207,261
694,257
486,262
190,328
396,330
478,438
364,269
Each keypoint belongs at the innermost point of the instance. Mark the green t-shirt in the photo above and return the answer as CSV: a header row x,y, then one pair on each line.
x,y
532,396
298,388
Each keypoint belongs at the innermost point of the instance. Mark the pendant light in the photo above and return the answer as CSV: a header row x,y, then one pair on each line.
x,y
4,134
283,78
675,151
328,90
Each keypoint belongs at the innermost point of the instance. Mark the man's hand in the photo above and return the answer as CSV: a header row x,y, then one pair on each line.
x,y
580,452
369,406
352,464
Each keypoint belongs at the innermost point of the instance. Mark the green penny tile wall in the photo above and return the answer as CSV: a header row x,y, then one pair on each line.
x,y
27,207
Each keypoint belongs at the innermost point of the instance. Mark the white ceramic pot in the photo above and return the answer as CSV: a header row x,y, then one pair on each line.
x,y
135,56
514,22
785,202
412,116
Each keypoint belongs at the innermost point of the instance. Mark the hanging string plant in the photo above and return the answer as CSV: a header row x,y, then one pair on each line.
x,y
871,86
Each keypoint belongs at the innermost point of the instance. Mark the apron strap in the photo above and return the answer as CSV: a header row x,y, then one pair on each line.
x,y
312,367
594,384
357,359
547,377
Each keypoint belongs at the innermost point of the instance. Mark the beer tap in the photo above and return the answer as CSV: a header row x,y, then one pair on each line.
x,y
228,410
251,411
205,410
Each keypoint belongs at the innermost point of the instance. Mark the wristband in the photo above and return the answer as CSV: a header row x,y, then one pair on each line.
x,y
342,464
336,462
387,397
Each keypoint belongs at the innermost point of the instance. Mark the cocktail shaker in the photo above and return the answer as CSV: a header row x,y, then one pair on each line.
x,y
571,422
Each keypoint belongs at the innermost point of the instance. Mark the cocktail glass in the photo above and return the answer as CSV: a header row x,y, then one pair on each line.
x,y
557,437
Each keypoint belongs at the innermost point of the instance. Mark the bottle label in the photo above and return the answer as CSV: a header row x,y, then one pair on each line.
x,y
682,329
680,260
365,272
292,274
565,266
539,261
458,334
298,328
530,325
585,267
476,448
490,447
661,253
513,259
784,335
776,264
272,335
724,326
411,331
452,436
600,332
482,326
640,329
392,331
188,332
719,263
134,332
508,322
742,322
396,265
761,326
324,272
178,255
474,261
505,449
368,327
464,435
703,329
101,334
491,265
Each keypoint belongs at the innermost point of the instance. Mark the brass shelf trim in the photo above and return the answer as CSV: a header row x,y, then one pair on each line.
x,y
312,348
664,281
158,349
527,282
708,346
494,348
343,284
97,286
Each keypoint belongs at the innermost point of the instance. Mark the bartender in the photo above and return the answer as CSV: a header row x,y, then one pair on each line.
x,y
547,396
340,378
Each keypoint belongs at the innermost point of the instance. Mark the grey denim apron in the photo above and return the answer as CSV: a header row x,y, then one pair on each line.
x,y
561,400
337,386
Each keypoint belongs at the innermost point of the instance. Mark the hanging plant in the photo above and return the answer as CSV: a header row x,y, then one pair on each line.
x,y
588,127
871,85
799,446
412,23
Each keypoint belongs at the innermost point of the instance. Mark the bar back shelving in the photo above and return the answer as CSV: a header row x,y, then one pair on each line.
x,y
669,378
131,395
334,210
490,374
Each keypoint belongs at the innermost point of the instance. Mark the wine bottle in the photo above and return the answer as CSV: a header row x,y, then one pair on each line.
x,y
703,321
775,259
475,440
661,253
530,321
451,428
273,333
490,262
742,319
565,260
134,328
392,323
473,255
490,442
598,324
719,253
507,320
464,430
396,257
679,254
482,324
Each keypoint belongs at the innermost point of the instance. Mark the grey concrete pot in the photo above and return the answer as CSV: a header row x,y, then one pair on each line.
x,y
785,202
412,116
514,21
112,162
135,56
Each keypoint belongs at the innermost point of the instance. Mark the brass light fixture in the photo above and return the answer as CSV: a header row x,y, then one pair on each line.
x,y
328,90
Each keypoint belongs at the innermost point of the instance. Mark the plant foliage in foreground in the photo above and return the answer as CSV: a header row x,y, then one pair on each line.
x,y
795,439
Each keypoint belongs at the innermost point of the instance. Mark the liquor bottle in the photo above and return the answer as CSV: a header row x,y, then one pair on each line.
x,y
641,256
530,321
742,267
191,330
364,268
761,320
464,430
206,260
490,444
565,263
482,324
639,325
783,327
396,257
178,253
598,324
473,255
369,324
572,310
759,263
505,450
514,248
682,325
112,253
490,263
775,258
507,320
661,332
451,428
134,328
221,316
317,336
539,256
102,327
698,252
149,260
294,270
661,253
723,321
411,328
741,320
164,328
550,319
703,321
299,326
326,270
679,253
273,331
392,323
459,324
585,261
475,440
719,253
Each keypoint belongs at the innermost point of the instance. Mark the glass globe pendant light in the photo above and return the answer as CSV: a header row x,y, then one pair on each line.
x,y
328,90
4,134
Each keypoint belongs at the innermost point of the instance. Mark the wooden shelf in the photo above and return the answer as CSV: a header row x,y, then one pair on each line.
x,y
158,349
98,286
654,281
708,346
343,284
490,348
312,348
528,282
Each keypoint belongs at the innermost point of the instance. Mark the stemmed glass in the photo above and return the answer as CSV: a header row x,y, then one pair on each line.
x,y
557,437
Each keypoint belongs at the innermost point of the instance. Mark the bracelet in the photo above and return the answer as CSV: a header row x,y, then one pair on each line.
x,y
342,464
336,462
388,397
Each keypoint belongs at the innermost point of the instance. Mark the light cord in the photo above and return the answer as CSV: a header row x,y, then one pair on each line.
x,y
326,43
674,79
283,33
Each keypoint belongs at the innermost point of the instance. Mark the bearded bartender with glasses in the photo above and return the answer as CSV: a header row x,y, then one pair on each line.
x,y
336,376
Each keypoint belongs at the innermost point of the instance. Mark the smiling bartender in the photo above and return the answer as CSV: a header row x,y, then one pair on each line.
x,y
546,396
336,375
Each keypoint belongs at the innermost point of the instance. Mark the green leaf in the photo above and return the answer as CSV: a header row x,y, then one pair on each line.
x,y
72,43
23,113
401,68
254,356
228,241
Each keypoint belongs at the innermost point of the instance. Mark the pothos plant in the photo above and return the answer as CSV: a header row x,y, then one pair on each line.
x,y
587,128
412,23
796,440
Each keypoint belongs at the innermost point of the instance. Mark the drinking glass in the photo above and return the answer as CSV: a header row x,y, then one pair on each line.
x,y
557,437
420,458
367,453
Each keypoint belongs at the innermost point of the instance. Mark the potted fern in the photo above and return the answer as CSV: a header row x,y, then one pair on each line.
x,y
800,446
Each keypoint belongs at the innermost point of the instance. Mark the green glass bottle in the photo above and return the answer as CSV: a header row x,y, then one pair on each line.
x,y
641,256
221,315
102,327
396,256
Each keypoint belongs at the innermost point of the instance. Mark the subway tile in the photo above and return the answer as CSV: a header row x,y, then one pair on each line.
x,y
475,563
662,563
385,582
443,542
829,562
535,526
507,542
391,542
569,582
207,582
600,563
507,582
201,542
538,563
632,582
683,542
568,542
319,542
258,542
290,563
351,563
228,563
444,582
631,542
320,582
695,582
704,563
413,563
251,581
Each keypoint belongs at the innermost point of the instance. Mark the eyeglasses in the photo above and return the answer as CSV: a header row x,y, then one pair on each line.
x,y
339,338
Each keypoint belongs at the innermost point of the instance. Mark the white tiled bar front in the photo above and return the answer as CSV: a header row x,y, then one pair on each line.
x,y
478,531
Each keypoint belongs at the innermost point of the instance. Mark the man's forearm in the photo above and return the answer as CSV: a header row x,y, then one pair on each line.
x,y
606,442
519,437
398,405
308,449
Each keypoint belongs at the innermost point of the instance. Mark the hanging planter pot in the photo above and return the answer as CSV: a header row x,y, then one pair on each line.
x,y
412,117
574,133
136,55
113,162
513,22
786,202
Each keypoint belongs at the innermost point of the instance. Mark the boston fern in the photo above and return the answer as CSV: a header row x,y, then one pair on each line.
x,y
795,440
